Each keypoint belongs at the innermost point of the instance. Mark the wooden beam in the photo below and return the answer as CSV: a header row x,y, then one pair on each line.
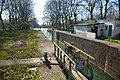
x,y
84,53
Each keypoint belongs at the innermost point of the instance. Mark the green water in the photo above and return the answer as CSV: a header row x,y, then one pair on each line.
x,y
98,74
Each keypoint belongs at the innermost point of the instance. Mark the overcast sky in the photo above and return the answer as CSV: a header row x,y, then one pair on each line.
x,y
38,9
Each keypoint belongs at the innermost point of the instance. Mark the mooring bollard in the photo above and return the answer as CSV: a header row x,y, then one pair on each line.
x,y
45,56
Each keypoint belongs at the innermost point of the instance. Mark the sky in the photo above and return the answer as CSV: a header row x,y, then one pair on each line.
x,y
38,9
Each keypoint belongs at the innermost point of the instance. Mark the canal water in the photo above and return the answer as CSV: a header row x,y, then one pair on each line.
x,y
46,33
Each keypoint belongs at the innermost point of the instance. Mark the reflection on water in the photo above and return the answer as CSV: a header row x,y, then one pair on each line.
x,y
46,33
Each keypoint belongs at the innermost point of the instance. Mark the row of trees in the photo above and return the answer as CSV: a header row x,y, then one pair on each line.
x,y
64,13
16,12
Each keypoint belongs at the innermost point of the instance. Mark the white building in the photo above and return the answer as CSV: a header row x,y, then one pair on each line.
x,y
96,29
84,30
112,27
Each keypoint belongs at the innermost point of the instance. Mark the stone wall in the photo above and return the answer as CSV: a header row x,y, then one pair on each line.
x,y
106,54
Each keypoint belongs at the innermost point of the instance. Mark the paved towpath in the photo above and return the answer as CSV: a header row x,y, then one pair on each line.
x,y
25,61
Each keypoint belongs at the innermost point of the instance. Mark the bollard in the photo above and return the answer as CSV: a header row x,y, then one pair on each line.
x,y
45,56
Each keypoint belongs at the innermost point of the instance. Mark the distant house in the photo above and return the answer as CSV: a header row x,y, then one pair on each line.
x,y
112,27
97,29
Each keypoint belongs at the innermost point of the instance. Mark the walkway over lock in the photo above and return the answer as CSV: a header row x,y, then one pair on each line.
x,y
103,55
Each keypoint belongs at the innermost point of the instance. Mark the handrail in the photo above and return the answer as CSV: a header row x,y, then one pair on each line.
x,y
79,50
64,53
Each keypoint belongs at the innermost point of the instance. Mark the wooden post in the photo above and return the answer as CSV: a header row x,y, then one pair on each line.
x,y
57,36
65,46
70,76
61,56
76,56
64,61
58,53
55,50
52,35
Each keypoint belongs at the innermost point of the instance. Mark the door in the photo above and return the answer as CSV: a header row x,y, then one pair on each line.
x,y
110,31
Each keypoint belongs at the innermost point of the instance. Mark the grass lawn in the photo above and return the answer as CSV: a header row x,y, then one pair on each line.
x,y
18,44
19,72
113,40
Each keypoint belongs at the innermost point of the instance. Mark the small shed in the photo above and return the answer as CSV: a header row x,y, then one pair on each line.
x,y
100,28
112,27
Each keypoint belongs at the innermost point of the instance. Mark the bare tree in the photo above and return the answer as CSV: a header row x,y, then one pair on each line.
x,y
106,6
1,10
19,12
89,5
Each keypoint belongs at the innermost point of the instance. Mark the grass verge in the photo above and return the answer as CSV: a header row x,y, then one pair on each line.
x,y
19,72
18,44
113,40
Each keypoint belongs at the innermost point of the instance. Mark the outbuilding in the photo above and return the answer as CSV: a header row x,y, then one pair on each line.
x,y
98,29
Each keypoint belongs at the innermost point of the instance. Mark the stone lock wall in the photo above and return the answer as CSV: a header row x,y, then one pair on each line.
x,y
106,54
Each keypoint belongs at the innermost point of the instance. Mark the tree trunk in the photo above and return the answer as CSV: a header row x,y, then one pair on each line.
x,y
66,21
75,17
119,7
101,12
106,8
63,23
91,15
70,22
1,21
